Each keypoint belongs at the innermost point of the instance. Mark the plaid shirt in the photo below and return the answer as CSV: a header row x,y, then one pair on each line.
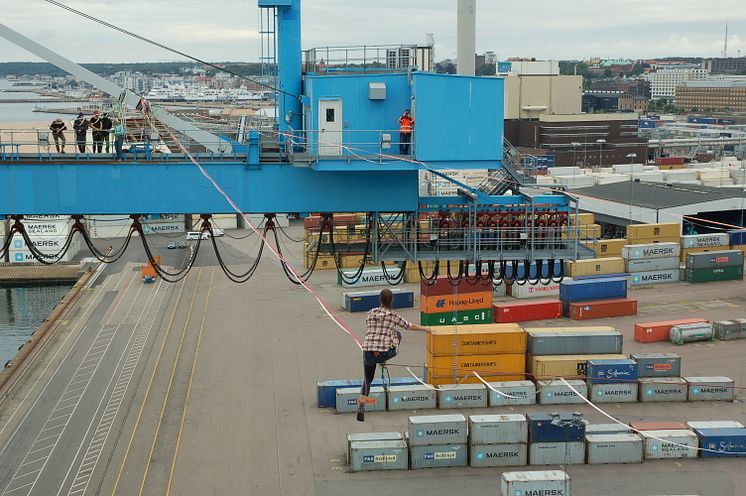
x,y
380,330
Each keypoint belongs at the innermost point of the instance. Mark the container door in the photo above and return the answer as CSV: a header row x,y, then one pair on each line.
x,y
330,127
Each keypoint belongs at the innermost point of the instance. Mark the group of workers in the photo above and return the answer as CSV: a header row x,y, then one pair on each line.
x,y
102,127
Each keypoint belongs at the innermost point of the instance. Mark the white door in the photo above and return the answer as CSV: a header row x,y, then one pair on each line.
x,y
330,127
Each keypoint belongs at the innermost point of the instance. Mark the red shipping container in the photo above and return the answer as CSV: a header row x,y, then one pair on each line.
x,y
312,222
443,286
584,310
669,160
525,312
658,426
653,332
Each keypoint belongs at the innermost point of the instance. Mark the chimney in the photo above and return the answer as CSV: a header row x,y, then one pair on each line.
x,y
467,33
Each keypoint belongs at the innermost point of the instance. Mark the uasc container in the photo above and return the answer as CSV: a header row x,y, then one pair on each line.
x,y
720,443
611,371
438,455
657,364
547,428
417,397
378,455
347,400
710,388
513,393
498,455
483,316
556,392
559,453
690,333
673,444
462,396
437,429
613,448
498,429
548,482
624,392
574,342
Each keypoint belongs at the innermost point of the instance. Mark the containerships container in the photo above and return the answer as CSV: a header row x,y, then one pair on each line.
x,y
498,429
482,339
726,330
518,393
654,277
715,274
441,366
438,455
574,342
593,289
525,312
621,392
558,453
498,455
549,482
613,448
612,371
719,443
657,364
600,309
416,397
652,265
378,455
710,388
661,445
437,429
651,251
712,259
568,427
652,332
370,436
347,400
462,396
557,393
659,389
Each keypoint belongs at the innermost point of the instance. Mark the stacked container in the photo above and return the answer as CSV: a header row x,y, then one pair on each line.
x,y
596,266
362,301
596,297
513,393
437,441
655,263
669,444
556,439
567,366
377,451
525,312
613,448
495,351
607,248
48,234
453,396
701,243
645,234
498,440
612,381
652,332
725,265
443,303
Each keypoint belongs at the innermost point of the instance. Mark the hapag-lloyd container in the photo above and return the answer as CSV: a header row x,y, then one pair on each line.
x,y
612,371
652,264
726,330
347,400
498,455
370,436
690,333
525,312
710,388
720,443
438,455
548,482
657,364
443,286
378,455
705,240
673,444
652,332
654,277
417,397
710,259
602,309
557,393
696,425
456,303
569,428
498,429
574,341
656,250
462,396
624,392
604,429
660,389
559,453
437,429
613,448
520,392
593,289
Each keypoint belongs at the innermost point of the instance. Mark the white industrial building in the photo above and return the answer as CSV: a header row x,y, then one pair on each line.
x,y
663,82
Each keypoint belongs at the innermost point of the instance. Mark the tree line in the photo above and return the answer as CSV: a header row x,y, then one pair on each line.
x,y
46,69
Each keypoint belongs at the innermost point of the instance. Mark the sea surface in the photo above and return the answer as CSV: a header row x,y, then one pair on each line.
x,y
22,310
23,112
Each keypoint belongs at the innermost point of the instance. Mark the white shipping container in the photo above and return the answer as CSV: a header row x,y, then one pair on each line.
x,y
462,396
437,429
415,397
523,392
654,250
613,448
705,240
498,429
162,228
659,389
628,168
371,436
654,277
498,455
714,424
49,228
378,455
548,482
538,291
556,453
710,388
557,393
619,392
371,277
565,171
652,264
673,444
346,400
601,429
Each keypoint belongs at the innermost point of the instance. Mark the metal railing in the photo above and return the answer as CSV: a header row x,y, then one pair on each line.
x,y
367,58
373,145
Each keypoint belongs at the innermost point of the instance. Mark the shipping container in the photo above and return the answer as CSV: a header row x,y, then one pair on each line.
x,y
726,330
652,265
567,366
416,397
600,309
660,389
443,286
483,316
437,429
670,444
621,392
559,453
655,276
721,443
326,391
651,251
527,291
710,388
605,248
514,393
652,231
657,364
439,455
369,277
689,251
582,218
585,232
574,342
655,241
555,392
362,301
603,429
737,237
593,289
696,425
378,455
347,400
498,455
370,436
525,312
690,333
613,448
652,332
462,396
715,274
705,240
611,371
498,363
611,265
498,429
469,378
711,259
553,428
657,426
456,303
482,339
548,482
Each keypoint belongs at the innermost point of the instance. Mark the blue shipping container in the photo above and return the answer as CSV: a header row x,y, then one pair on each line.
x,y
362,301
542,430
726,442
607,288
611,371
737,237
326,391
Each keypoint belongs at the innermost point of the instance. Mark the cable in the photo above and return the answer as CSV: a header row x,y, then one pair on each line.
x,y
261,224
288,236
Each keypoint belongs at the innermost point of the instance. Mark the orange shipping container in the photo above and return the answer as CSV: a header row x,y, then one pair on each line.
x,y
465,378
652,332
500,363
453,303
476,340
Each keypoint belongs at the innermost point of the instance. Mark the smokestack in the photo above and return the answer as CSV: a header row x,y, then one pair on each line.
x,y
467,34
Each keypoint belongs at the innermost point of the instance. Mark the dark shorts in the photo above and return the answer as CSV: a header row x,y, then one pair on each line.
x,y
371,358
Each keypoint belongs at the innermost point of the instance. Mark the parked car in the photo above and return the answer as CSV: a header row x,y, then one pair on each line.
x,y
182,244
171,245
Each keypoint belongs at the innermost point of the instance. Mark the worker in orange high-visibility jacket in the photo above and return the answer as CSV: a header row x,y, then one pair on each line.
x,y
406,125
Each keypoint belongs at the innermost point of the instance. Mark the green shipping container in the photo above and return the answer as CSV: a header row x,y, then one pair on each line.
x,y
732,273
483,316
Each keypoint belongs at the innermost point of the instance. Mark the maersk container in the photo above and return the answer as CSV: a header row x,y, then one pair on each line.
x,y
696,425
326,391
705,240
711,259
462,396
710,388
655,277
611,371
546,428
549,482
437,429
619,392
378,455
652,265
498,429
557,393
559,453
613,448
438,455
370,436
660,389
604,429
720,443
657,364
593,289
416,397
498,455
517,393
347,400
714,274
691,333
726,330
362,301
654,250
660,445
596,342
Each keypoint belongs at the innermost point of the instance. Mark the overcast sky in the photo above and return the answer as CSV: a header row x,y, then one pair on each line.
x,y
222,30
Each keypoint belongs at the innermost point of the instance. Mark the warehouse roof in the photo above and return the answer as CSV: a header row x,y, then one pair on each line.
x,y
658,195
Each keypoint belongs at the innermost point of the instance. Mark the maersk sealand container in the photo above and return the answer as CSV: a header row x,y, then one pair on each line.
x,y
593,289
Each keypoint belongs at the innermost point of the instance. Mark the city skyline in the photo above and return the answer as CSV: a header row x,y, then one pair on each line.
x,y
579,31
